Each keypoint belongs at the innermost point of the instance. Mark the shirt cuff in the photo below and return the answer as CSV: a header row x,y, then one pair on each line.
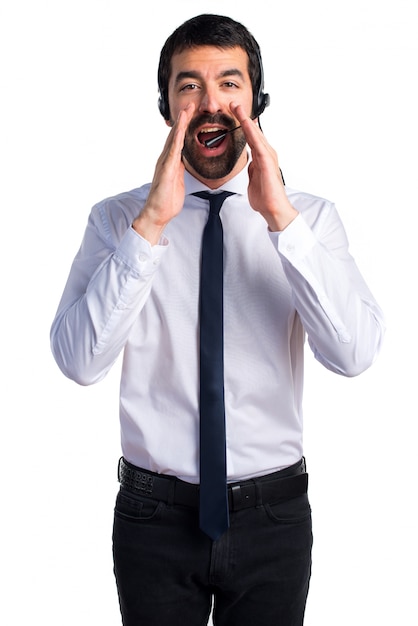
x,y
295,241
139,254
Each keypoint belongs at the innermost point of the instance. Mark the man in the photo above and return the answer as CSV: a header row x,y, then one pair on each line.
x,y
135,286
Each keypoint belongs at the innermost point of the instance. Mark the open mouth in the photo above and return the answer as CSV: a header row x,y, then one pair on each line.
x,y
211,135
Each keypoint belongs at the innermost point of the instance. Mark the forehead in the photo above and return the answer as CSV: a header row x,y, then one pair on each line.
x,y
209,60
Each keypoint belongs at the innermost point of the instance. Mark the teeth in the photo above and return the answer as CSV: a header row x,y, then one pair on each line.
x,y
210,130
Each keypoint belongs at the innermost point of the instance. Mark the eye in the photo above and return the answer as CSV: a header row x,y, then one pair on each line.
x,y
230,84
189,87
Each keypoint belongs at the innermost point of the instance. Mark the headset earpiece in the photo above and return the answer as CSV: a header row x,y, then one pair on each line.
x,y
163,105
261,102
261,99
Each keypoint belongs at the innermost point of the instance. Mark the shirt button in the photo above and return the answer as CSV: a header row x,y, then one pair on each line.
x,y
290,247
142,258
156,260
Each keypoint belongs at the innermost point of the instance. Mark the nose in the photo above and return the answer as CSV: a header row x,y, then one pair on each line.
x,y
209,102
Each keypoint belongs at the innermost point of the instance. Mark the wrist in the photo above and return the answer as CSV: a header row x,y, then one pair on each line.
x,y
148,229
277,222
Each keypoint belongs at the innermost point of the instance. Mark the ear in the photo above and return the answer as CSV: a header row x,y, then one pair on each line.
x,y
169,123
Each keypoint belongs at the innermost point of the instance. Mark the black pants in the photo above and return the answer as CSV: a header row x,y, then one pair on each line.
x,y
167,571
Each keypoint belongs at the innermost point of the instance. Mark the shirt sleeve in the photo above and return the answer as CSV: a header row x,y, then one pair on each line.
x,y
344,324
109,282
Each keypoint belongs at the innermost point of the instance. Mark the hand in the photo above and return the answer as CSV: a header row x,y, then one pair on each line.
x,y
266,191
166,197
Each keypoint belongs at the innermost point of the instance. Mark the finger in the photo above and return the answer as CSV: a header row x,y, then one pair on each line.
x,y
178,131
249,126
184,118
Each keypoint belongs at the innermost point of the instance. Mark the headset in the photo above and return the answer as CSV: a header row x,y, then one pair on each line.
x,y
261,100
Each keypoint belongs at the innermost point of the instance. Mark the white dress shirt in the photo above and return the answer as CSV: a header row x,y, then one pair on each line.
x,y
124,294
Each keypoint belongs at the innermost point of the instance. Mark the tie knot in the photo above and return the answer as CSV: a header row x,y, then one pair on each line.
x,y
216,200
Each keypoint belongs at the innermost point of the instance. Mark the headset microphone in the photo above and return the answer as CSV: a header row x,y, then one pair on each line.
x,y
209,143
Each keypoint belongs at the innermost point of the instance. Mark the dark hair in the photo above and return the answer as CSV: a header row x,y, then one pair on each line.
x,y
210,30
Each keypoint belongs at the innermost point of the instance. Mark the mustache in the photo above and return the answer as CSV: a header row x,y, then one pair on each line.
x,y
219,119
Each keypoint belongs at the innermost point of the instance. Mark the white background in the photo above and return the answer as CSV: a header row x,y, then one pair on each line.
x,y
79,122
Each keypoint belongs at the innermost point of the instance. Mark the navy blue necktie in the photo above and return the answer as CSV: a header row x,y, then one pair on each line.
x,y
214,514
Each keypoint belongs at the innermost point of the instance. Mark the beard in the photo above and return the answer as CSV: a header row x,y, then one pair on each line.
x,y
218,166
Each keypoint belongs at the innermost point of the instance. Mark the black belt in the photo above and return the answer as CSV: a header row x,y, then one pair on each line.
x,y
287,483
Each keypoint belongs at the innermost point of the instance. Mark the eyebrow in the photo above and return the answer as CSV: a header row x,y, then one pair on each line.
x,y
193,74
